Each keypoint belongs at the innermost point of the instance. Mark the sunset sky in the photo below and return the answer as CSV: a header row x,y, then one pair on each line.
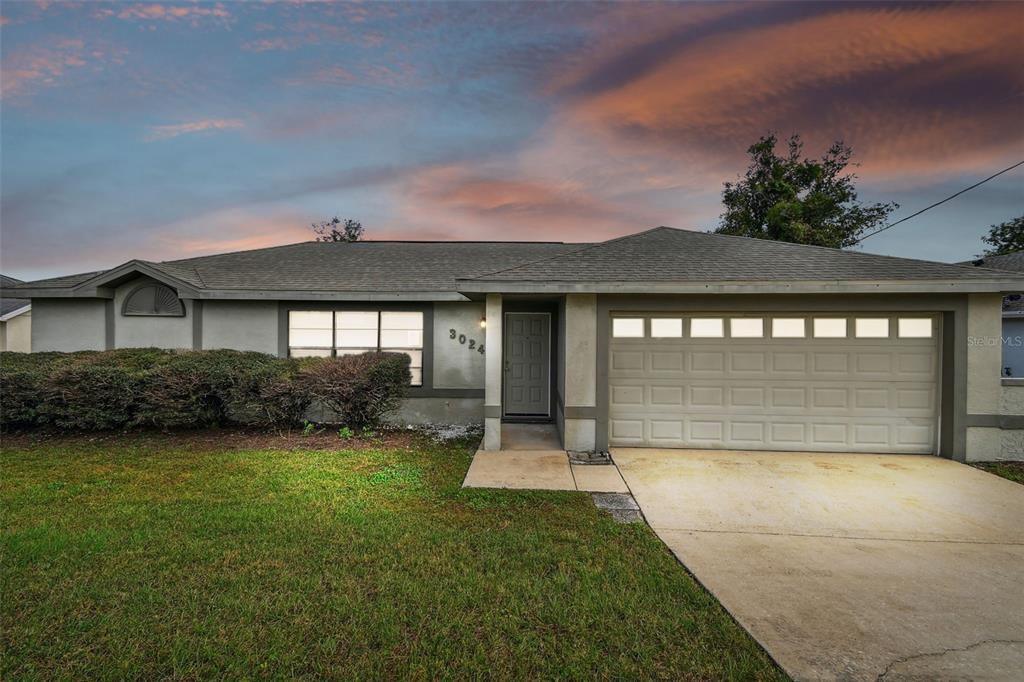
x,y
160,131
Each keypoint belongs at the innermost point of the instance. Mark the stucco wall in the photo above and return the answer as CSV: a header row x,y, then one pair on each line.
x,y
68,324
984,353
149,332
240,325
580,371
1013,346
456,365
16,333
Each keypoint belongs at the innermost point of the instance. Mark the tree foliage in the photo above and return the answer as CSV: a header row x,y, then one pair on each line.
x,y
786,197
1005,237
338,230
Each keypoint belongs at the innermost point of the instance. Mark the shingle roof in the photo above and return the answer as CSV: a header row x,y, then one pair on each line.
x,y
1011,262
350,267
666,254
9,305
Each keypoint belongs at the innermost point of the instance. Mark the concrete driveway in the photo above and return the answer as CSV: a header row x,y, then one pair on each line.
x,y
849,567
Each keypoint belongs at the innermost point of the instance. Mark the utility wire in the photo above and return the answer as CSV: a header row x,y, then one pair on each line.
x,y
937,203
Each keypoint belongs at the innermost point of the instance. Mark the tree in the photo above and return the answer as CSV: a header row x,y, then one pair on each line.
x,y
336,230
793,199
1005,237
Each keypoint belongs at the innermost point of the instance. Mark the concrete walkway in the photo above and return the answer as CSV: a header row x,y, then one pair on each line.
x,y
849,567
531,459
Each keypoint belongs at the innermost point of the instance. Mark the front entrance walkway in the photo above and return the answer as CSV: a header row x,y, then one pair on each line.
x,y
858,567
531,458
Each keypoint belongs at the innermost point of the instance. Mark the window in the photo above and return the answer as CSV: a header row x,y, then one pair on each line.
x,y
628,327
872,327
707,327
403,333
309,334
915,327
155,300
788,328
323,333
746,327
830,328
666,327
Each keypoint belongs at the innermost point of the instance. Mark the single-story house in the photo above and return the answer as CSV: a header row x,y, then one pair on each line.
x,y
15,319
1013,312
666,338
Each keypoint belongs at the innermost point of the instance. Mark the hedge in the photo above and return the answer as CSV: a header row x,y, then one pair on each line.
x,y
149,387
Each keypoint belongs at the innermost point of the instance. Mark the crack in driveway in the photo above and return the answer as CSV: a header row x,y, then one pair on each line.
x,y
936,654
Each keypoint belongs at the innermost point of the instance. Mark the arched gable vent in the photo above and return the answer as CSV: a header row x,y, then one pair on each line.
x,y
153,299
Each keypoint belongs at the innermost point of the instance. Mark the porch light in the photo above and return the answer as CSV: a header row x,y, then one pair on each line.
x,y
483,323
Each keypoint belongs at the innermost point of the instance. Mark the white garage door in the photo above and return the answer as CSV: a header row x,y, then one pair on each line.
x,y
858,383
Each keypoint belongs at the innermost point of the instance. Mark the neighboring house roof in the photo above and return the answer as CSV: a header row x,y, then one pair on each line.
x,y
1011,262
659,260
11,307
668,256
1013,305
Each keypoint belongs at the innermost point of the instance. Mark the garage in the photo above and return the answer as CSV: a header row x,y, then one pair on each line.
x,y
862,382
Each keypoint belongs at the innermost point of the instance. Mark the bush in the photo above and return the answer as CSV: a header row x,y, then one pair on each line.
x,y
167,389
97,391
21,385
357,390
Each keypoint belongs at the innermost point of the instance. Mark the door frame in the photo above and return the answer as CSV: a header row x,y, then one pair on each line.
x,y
504,338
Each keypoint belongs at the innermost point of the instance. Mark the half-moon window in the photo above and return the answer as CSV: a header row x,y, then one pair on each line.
x,y
153,299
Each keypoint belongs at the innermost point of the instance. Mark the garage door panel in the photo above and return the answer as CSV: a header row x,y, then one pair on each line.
x,y
841,395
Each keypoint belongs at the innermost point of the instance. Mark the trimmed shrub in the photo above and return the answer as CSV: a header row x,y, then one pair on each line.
x,y
358,390
97,391
22,376
117,389
264,392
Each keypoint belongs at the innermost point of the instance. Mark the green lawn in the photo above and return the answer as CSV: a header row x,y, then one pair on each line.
x,y
146,557
1013,471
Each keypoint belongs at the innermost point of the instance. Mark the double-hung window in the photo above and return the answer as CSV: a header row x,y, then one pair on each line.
x,y
325,333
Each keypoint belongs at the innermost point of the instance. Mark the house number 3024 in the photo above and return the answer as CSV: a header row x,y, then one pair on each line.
x,y
462,339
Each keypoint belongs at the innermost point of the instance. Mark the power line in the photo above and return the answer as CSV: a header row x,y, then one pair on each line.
x,y
937,203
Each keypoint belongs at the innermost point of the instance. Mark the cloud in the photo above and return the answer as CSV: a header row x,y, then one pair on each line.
x,y
464,201
165,132
164,12
912,90
23,72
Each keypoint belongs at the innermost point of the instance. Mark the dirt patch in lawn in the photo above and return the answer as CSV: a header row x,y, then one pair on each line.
x,y
390,438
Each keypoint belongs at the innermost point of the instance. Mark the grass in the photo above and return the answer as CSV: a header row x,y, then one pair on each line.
x,y
143,558
1013,471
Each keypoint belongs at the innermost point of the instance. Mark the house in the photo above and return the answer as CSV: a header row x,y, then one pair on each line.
x,y
667,337
15,319
1013,313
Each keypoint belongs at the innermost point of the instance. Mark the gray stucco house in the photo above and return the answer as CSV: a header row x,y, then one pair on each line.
x,y
667,337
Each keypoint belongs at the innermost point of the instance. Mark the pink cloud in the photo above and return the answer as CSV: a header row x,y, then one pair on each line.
x,y
865,75
164,132
165,12
40,66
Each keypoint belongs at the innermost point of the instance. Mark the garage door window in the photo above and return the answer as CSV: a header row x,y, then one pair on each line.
x,y
746,328
707,327
872,327
830,328
628,327
915,328
788,328
666,327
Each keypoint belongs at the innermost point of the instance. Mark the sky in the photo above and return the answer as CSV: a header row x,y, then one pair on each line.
x,y
169,130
